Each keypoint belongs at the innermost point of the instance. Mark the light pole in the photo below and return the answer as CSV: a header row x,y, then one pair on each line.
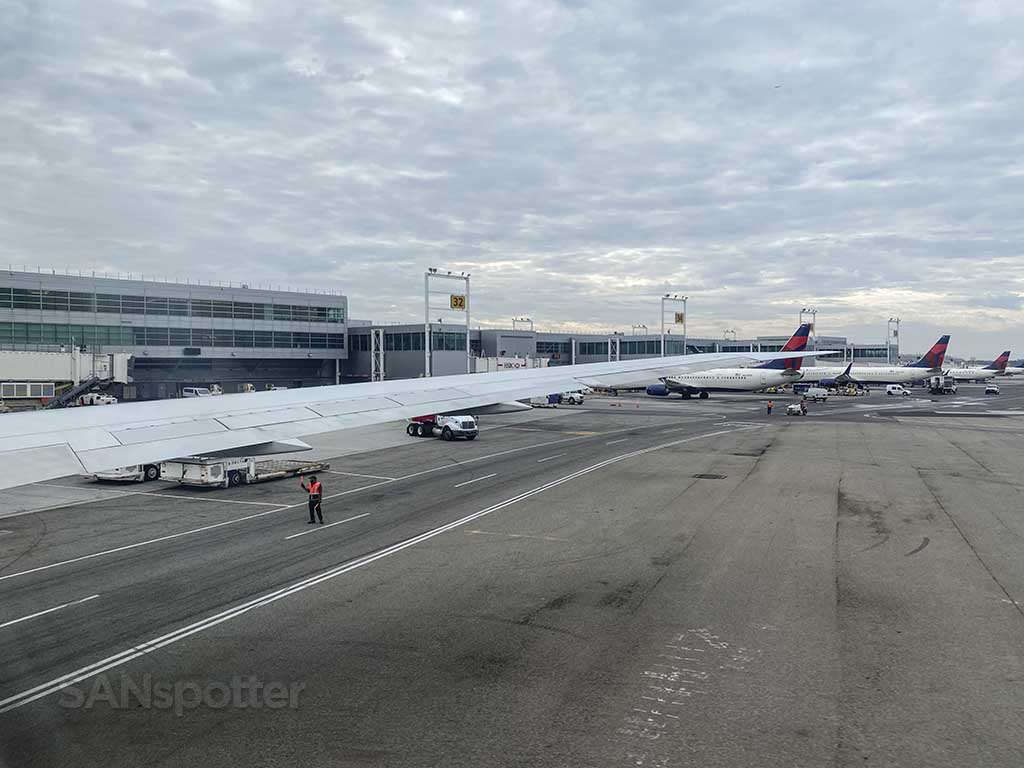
x,y
806,312
458,303
521,321
892,333
725,334
679,318
634,328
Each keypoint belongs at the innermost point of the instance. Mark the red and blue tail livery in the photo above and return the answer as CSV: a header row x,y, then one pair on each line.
x,y
999,364
933,357
797,343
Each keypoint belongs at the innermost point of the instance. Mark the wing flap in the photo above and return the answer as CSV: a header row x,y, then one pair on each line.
x,y
148,434
267,418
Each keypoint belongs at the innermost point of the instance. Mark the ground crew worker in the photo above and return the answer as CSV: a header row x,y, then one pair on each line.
x,y
316,494
770,406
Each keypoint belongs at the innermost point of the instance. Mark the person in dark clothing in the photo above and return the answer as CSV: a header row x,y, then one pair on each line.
x,y
316,494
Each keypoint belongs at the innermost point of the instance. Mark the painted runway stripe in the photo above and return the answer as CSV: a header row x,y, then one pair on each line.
x,y
476,480
284,508
83,673
326,525
549,458
48,610
357,474
613,442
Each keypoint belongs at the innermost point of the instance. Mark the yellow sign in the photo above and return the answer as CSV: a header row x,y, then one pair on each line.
x,y
680,318
458,302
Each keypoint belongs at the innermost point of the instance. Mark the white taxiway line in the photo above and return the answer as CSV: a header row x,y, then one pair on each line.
x,y
286,507
328,525
356,474
613,442
83,673
476,480
549,458
48,610
159,495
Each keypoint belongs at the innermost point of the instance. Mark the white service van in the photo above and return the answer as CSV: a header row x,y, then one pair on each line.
x,y
897,390
817,394
196,392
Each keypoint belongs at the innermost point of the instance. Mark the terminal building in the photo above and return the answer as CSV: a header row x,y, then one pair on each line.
x,y
237,337
404,355
179,334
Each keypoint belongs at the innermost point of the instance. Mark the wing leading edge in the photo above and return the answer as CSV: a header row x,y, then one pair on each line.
x,y
43,445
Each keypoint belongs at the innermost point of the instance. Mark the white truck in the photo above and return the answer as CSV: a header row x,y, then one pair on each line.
x,y
227,471
445,427
97,398
133,473
572,398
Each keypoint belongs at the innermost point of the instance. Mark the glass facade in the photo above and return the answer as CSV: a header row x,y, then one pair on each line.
x,y
161,306
148,336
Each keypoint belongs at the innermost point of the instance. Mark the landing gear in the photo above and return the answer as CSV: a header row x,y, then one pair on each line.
x,y
703,395
685,395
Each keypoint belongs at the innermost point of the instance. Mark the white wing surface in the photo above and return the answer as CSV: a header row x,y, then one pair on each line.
x,y
43,445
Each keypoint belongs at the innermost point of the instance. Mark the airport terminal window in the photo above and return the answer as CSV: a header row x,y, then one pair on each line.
x,y
202,337
318,314
202,308
223,338
449,342
875,352
282,339
263,311
594,348
553,347
133,305
300,314
335,315
179,337
156,305
242,310
139,336
335,341
243,338
108,302
55,301
5,298
300,340
221,309
82,302
156,337
263,338
25,299
177,307
318,340
282,311
360,343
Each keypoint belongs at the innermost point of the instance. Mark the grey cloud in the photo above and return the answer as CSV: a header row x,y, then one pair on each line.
x,y
578,158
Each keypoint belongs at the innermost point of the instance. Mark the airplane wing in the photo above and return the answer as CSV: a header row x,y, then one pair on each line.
x,y
42,445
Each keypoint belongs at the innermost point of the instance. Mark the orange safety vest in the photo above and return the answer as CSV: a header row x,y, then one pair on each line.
x,y
314,488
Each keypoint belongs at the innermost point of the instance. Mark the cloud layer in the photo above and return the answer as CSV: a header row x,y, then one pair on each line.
x,y
578,158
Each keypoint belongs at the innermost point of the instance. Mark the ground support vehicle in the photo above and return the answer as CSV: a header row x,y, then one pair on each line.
x,y
445,427
227,471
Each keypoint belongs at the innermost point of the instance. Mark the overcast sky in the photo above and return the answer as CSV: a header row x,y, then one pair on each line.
x,y
578,158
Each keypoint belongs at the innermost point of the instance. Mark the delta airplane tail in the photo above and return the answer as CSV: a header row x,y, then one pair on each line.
x,y
797,343
934,357
999,364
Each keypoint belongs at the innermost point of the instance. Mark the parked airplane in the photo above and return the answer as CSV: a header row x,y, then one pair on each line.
x,y
997,366
1014,369
930,363
771,374
42,445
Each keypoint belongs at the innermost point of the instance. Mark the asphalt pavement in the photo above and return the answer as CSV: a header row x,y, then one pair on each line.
x,y
634,582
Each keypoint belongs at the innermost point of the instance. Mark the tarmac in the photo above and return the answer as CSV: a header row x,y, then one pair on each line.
x,y
632,582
